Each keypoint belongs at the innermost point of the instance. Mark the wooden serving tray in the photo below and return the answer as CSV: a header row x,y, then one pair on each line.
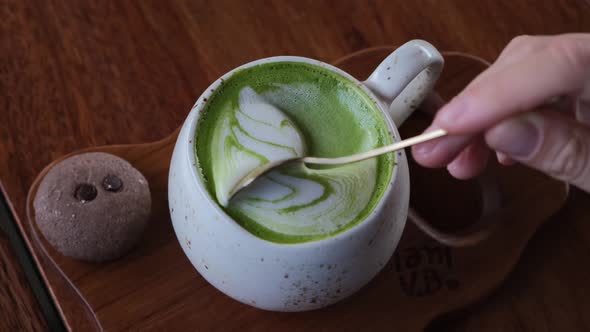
x,y
156,288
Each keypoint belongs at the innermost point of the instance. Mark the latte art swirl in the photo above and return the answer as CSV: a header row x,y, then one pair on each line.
x,y
305,202
252,134
279,111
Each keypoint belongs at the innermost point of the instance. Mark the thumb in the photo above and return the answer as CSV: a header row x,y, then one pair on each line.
x,y
547,141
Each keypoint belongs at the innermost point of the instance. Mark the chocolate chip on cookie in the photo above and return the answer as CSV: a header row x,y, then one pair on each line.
x,y
93,206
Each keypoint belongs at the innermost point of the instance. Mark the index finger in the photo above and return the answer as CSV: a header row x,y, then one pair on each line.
x,y
560,69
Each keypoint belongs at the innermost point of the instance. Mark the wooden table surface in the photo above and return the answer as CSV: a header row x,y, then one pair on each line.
x,y
75,74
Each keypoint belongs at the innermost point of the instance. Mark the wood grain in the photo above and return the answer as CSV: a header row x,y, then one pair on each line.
x,y
18,309
424,279
77,74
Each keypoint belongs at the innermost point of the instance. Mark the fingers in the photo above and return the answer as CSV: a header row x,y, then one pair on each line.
x,y
465,156
439,152
521,47
504,159
530,72
547,141
471,162
560,69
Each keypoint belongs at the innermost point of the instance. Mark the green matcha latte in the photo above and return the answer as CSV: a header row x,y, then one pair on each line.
x,y
279,110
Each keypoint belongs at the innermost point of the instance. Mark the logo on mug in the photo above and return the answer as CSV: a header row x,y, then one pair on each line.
x,y
425,269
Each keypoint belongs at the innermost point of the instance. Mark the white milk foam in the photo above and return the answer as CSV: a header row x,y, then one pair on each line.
x,y
291,201
263,133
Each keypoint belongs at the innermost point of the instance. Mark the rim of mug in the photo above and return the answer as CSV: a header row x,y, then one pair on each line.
x,y
193,162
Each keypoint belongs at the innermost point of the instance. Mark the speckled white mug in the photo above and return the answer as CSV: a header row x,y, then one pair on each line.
x,y
311,275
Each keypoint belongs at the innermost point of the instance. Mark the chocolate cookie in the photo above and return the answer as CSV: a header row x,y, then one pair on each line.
x,y
93,206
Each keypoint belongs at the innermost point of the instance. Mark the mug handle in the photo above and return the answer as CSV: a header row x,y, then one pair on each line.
x,y
403,80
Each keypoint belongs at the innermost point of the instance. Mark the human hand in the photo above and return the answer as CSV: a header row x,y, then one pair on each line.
x,y
506,109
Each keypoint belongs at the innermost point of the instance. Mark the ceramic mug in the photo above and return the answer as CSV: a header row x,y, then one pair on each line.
x,y
310,275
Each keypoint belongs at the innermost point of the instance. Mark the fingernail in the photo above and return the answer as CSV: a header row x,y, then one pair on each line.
x,y
427,147
516,138
424,148
455,164
440,152
451,114
503,159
